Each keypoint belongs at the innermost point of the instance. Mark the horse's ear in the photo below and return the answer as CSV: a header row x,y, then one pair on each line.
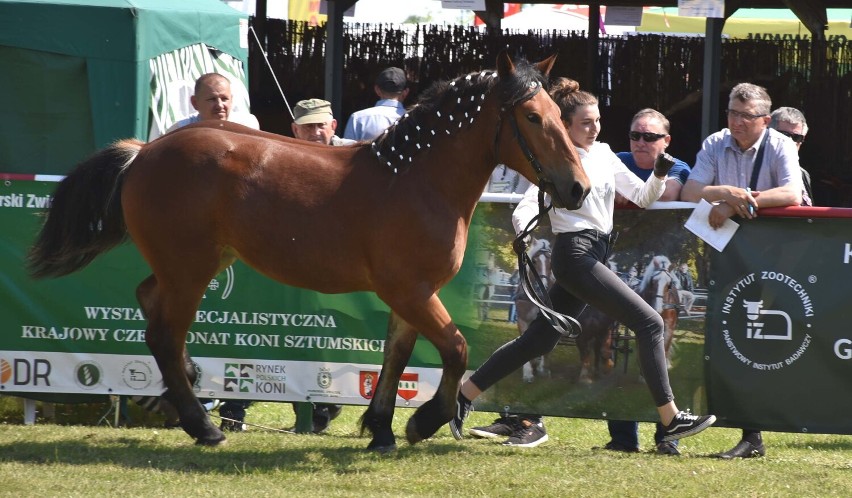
x,y
505,67
546,65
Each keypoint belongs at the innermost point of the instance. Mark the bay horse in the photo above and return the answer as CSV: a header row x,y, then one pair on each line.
x,y
659,289
594,344
389,216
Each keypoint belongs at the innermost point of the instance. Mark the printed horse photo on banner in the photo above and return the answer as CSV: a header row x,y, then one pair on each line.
x,y
598,371
660,289
540,254
197,199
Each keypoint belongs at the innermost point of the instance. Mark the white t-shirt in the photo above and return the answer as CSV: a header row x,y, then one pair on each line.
x,y
243,118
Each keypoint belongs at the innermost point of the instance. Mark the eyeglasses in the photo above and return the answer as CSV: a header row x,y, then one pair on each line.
x,y
732,114
797,137
648,137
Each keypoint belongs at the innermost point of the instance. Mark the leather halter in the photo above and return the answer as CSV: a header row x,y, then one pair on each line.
x,y
522,142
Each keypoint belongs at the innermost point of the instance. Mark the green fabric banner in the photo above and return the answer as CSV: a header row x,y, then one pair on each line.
x,y
777,353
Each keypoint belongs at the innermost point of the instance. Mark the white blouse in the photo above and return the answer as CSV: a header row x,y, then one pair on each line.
x,y
607,175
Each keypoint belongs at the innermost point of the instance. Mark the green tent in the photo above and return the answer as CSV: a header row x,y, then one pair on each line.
x,y
79,74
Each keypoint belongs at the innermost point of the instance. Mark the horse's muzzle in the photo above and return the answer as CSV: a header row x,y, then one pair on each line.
x,y
570,199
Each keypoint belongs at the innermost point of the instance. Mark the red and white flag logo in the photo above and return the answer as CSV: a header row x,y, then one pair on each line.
x,y
408,386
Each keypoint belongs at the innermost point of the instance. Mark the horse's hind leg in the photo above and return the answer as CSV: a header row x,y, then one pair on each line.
x,y
379,416
169,315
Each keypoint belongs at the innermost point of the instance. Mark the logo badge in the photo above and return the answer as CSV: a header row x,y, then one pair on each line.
x,y
137,375
766,317
324,378
367,381
239,377
88,375
5,371
408,386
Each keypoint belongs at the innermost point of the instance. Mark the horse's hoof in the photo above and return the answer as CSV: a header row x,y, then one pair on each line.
x,y
212,441
411,433
382,448
426,421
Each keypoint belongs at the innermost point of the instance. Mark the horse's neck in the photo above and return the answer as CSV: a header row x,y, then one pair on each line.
x,y
462,161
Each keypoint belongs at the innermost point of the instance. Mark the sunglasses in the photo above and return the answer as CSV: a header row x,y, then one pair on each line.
x,y
732,114
798,138
648,137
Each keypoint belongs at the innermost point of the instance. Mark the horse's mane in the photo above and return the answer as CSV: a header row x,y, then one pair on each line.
x,y
447,106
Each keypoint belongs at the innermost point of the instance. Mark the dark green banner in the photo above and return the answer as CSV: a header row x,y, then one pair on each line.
x,y
779,349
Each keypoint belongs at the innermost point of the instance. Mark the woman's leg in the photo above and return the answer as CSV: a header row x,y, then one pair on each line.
x,y
539,339
580,271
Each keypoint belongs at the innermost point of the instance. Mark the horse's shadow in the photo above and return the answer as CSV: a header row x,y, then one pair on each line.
x,y
184,456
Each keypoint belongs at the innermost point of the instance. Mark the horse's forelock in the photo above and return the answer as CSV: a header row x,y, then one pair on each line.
x,y
520,82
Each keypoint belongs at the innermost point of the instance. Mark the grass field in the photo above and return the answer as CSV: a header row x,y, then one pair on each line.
x,y
72,456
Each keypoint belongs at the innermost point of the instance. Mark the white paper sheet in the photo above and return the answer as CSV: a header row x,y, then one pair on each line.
x,y
699,224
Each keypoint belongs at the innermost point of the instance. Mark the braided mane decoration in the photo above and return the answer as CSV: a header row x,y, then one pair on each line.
x,y
447,107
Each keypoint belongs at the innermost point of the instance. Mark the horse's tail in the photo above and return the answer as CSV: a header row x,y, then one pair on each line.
x,y
85,217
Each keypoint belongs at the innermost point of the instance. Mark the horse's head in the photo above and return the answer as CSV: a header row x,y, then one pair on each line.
x,y
656,287
543,152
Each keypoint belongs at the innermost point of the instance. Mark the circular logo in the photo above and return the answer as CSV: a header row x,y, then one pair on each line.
x,y
766,320
88,375
137,375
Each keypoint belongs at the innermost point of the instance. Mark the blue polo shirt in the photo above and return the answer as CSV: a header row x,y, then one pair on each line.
x,y
371,122
680,171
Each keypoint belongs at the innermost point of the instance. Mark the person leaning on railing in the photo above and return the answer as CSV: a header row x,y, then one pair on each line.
x,y
741,169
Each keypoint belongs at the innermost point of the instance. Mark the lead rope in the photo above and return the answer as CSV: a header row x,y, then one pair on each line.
x,y
533,284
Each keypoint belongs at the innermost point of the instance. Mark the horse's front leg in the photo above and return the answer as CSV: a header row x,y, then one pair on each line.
x,y
432,320
378,418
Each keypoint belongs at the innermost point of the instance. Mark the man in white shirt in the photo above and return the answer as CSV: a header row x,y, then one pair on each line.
x,y
392,88
213,100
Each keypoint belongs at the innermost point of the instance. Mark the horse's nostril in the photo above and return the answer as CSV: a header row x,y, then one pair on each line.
x,y
578,192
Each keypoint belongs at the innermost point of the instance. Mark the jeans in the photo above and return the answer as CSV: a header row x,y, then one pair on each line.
x,y
581,278
626,433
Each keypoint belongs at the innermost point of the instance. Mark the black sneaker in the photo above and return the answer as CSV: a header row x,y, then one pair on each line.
x,y
686,424
502,427
463,409
527,435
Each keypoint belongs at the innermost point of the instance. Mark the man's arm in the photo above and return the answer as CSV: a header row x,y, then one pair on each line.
x,y
672,192
694,191
788,195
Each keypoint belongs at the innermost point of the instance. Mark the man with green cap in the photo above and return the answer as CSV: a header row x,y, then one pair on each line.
x,y
314,122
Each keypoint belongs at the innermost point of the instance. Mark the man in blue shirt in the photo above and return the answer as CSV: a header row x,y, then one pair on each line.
x,y
392,88
649,136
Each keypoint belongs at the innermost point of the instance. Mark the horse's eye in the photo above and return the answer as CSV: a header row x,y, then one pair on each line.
x,y
534,118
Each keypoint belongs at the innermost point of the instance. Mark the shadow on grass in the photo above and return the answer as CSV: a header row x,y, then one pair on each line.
x,y
136,453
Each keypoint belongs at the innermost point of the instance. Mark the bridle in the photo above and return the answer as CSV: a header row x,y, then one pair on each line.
x,y
506,108
531,282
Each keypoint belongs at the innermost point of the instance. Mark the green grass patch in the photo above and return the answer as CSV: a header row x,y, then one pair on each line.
x,y
84,459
